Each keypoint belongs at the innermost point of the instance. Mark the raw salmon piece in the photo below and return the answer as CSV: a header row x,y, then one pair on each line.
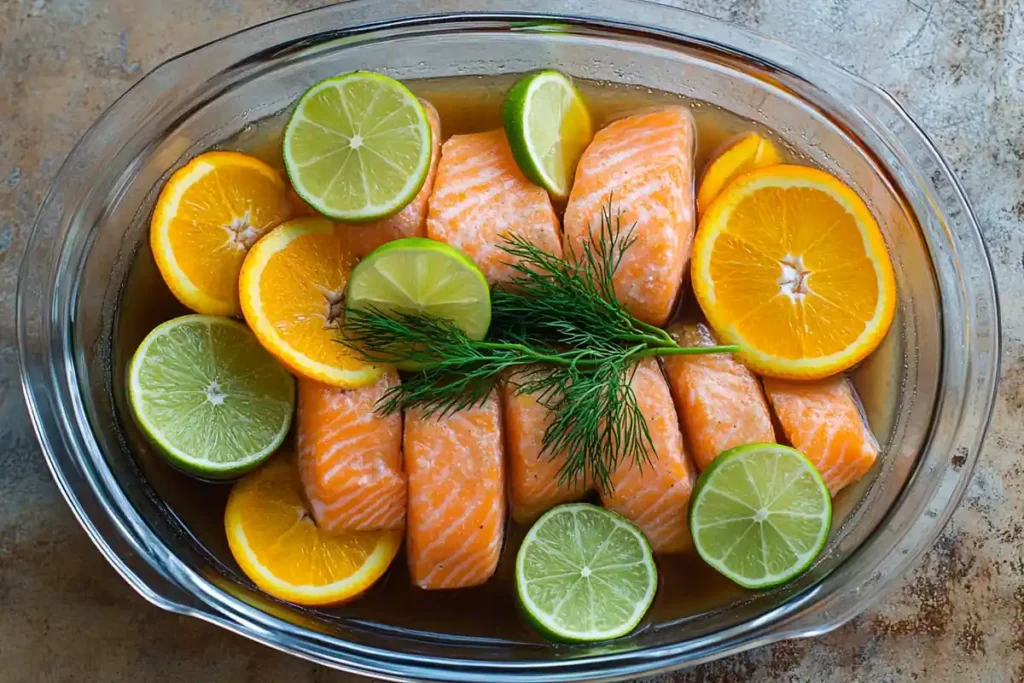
x,y
644,163
720,402
480,195
535,482
823,420
456,469
410,221
656,496
350,457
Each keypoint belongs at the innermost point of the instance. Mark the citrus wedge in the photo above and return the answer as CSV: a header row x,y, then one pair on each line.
x,y
277,544
748,152
208,215
789,263
548,126
292,289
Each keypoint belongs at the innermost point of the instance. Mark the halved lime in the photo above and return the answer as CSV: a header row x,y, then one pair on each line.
x,y
418,276
585,574
760,514
548,126
209,397
357,146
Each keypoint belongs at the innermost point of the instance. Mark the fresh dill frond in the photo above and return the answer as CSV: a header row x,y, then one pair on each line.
x,y
412,340
557,332
571,300
596,419
450,371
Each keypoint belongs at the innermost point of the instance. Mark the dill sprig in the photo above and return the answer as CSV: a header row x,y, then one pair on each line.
x,y
557,333
572,300
596,419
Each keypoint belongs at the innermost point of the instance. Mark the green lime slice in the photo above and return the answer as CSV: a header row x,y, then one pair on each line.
x,y
209,396
760,514
357,147
418,276
548,126
584,574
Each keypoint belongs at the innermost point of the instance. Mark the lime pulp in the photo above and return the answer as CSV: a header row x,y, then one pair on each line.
x,y
418,276
357,147
760,514
585,574
209,396
548,126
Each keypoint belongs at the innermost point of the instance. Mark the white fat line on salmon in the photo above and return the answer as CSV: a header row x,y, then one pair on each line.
x,y
489,557
615,158
449,214
645,520
486,176
452,526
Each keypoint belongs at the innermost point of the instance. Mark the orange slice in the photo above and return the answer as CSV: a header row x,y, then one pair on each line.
x,y
789,263
292,286
747,153
277,544
208,215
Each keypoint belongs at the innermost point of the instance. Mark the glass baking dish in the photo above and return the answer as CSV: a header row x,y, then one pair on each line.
x,y
943,349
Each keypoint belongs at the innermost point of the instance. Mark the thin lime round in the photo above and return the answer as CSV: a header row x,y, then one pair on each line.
x,y
760,514
209,397
418,276
357,147
585,574
548,126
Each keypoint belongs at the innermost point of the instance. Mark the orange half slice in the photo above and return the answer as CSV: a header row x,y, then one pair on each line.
x,y
789,263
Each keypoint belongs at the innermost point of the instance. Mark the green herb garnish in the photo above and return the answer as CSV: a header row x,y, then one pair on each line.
x,y
558,332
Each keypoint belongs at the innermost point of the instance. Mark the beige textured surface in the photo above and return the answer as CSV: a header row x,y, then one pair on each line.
x,y
957,66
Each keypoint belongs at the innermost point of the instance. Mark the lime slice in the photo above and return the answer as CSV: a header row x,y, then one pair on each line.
x,y
760,514
357,147
418,276
207,394
548,127
584,574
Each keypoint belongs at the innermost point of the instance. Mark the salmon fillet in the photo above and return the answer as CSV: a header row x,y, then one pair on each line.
x,y
480,196
410,221
534,476
656,497
350,457
720,402
456,523
823,420
644,163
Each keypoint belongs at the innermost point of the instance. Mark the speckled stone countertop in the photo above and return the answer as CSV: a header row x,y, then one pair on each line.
x,y
957,65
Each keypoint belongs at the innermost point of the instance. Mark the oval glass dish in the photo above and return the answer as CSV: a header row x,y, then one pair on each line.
x,y
929,389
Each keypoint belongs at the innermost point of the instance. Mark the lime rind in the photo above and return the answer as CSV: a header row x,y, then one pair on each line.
x,y
548,126
328,153
416,275
761,515
585,574
209,397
